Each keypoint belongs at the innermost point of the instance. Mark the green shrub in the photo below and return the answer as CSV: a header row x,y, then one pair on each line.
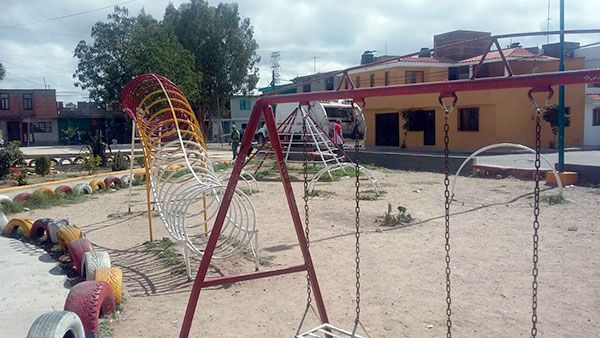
x,y
21,177
10,156
97,148
4,163
119,162
91,164
10,207
390,219
42,165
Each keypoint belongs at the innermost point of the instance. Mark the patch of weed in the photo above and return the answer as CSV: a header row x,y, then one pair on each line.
x,y
320,193
390,219
166,250
552,199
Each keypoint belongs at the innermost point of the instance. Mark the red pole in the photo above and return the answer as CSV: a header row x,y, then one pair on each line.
x,y
289,194
218,226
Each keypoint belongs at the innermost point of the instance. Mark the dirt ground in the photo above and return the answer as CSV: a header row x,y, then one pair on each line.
x,y
403,293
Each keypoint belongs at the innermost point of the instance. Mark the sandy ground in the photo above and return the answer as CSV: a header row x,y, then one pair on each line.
x,y
403,292
39,288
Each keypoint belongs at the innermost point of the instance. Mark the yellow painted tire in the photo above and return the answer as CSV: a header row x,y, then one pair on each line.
x,y
68,234
97,184
45,191
114,277
23,223
139,174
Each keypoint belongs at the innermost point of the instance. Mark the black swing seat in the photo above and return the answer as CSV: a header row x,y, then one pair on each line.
x,y
326,331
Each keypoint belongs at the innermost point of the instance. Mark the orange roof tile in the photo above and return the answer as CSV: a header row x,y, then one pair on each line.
x,y
510,53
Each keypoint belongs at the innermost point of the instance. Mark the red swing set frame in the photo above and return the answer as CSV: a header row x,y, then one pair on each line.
x,y
535,82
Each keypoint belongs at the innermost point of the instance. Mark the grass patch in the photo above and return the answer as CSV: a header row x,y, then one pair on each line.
x,y
595,191
320,193
41,200
166,250
10,207
390,219
336,175
500,191
552,199
222,166
426,182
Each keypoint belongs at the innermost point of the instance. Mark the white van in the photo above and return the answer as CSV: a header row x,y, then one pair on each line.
x,y
324,113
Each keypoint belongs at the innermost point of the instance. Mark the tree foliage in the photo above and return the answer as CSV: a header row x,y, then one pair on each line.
x,y
2,72
223,45
124,47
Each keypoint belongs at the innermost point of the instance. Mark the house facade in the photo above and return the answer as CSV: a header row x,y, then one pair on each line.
x,y
591,124
481,118
29,116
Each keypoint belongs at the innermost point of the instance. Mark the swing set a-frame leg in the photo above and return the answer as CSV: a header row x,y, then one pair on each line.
x,y
201,281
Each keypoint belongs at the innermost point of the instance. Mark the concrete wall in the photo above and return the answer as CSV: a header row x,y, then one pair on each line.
x,y
239,114
46,138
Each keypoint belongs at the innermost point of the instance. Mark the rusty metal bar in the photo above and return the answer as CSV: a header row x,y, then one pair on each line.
x,y
253,275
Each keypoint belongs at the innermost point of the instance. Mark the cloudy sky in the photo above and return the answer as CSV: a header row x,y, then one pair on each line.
x,y
37,37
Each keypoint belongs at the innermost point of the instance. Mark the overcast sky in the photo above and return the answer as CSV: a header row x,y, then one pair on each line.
x,y
336,32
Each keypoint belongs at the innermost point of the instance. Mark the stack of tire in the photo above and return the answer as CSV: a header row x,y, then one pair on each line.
x,y
88,300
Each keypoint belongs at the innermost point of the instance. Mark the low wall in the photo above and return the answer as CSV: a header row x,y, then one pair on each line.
x,y
587,174
412,161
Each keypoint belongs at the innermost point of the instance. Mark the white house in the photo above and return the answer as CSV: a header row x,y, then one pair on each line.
x,y
591,131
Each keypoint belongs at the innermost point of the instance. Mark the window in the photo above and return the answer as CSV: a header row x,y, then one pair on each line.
x,y
244,104
42,127
4,102
27,101
358,82
458,73
372,80
334,113
468,119
386,78
329,83
596,117
416,120
413,76
306,88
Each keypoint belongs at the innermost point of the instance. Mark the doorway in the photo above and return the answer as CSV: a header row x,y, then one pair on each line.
x,y
13,131
387,129
429,128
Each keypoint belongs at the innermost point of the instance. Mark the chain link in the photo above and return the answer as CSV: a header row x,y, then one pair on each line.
x,y
447,111
306,218
357,223
536,222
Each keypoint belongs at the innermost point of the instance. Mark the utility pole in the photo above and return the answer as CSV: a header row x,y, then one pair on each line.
x,y
275,56
315,64
561,93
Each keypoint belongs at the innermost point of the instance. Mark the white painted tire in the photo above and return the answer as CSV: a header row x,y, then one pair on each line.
x,y
57,324
3,222
125,180
54,226
4,198
92,261
83,188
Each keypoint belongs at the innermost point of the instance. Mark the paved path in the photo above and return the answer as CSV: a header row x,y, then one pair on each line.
x,y
525,161
32,283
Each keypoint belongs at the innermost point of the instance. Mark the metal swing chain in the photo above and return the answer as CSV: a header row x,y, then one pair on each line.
x,y
357,222
447,111
536,213
306,218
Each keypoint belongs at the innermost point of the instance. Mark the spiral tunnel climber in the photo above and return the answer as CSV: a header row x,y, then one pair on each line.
x,y
185,188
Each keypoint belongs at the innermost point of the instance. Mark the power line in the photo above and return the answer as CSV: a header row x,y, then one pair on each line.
x,y
65,16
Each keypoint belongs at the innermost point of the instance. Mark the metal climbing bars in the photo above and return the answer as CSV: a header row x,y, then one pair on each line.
x,y
185,188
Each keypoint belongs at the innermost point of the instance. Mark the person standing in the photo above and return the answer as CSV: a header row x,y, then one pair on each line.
x,y
234,141
338,137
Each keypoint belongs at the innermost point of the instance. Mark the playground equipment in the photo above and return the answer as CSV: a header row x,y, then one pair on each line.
x,y
537,83
303,129
183,184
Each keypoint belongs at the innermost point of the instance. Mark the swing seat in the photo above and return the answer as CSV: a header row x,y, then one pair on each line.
x,y
326,331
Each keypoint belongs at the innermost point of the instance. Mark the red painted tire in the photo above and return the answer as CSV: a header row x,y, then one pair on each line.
x,y
22,197
63,190
77,249
109,181
40,227
90,300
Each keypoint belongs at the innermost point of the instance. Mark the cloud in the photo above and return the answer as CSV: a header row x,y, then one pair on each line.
x,y
336,32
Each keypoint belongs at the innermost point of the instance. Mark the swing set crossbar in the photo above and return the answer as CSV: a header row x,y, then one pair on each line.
x,y
263,106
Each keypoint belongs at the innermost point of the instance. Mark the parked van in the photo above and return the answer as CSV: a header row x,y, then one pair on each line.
x,y
324,114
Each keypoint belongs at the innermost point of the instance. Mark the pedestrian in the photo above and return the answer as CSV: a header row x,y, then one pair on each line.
x,y
338,137
234,140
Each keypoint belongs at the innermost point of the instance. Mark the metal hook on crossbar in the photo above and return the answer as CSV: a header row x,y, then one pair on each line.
x,y
441,98
534,103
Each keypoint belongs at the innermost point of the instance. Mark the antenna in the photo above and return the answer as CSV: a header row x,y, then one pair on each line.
x,y
548,24
275,56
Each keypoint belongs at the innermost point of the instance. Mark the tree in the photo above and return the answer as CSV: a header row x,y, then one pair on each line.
x,y
125,47
2,72
224,48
